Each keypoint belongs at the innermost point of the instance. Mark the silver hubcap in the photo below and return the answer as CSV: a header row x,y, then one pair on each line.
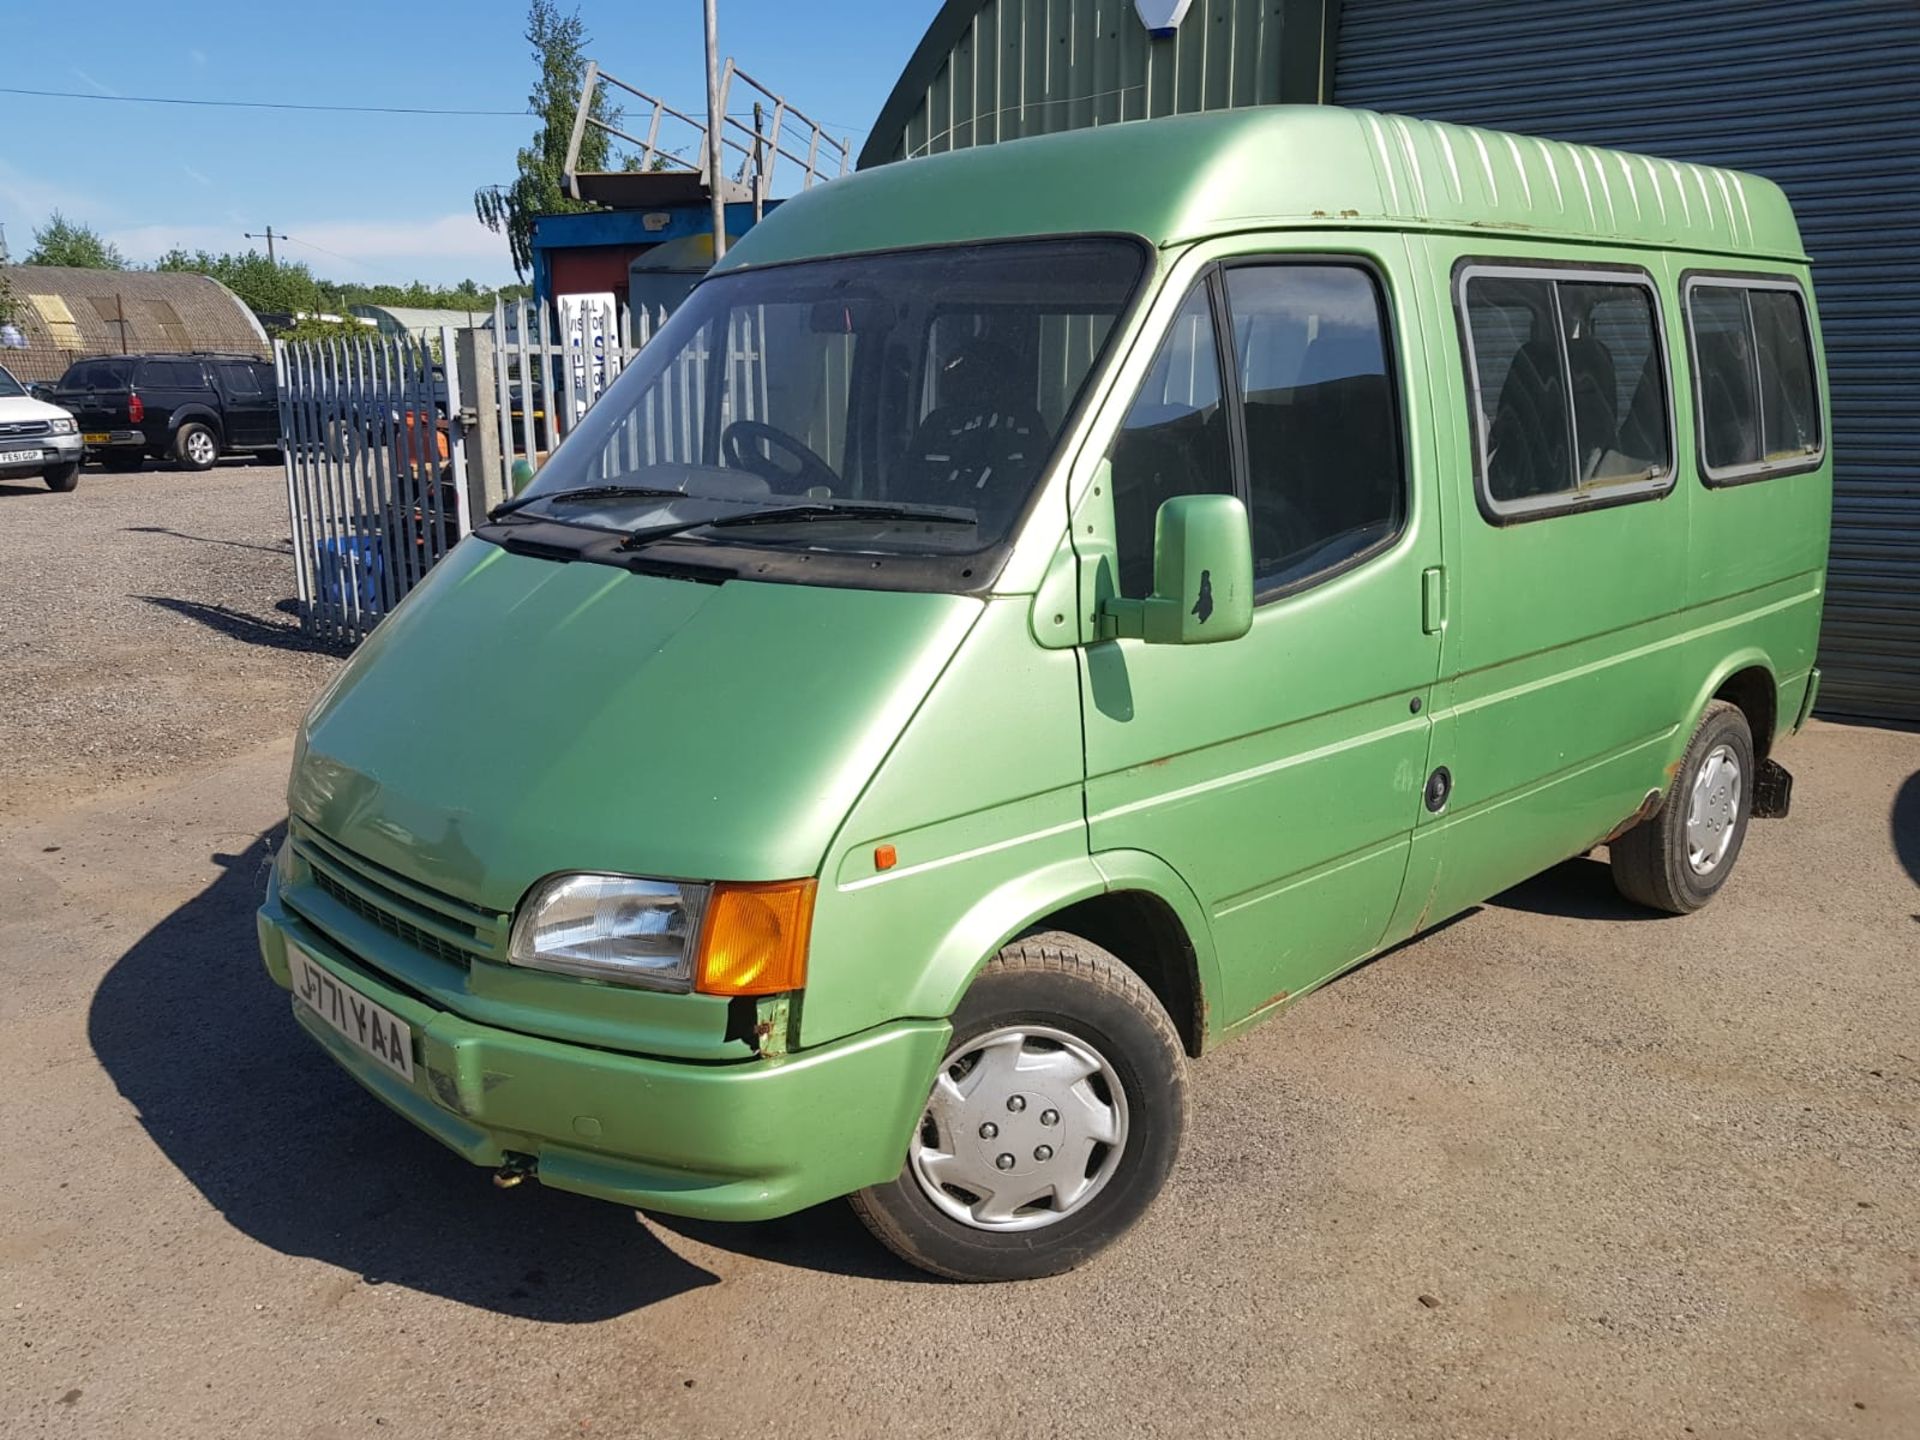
x,y
1026,1124
200,447
1712,809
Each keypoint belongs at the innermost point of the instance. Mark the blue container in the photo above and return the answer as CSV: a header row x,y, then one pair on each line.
x,y
348,573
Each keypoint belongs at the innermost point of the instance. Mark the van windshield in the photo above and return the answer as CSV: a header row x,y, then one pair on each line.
x,y
898,404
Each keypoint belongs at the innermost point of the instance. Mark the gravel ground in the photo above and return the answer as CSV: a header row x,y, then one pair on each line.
x,y
145,628
1557,1169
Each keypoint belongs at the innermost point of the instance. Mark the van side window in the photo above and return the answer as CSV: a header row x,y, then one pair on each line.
x,y
1729,404
1173,441
1758,404
1323,434
1569,389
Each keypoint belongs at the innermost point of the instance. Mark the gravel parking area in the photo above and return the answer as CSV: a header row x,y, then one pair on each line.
x,y
1557,1169
145,628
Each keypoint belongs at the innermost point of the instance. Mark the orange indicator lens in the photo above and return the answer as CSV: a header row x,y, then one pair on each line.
x,y
754,941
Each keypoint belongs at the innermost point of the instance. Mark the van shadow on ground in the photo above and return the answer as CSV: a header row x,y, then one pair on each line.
x,y
1577,889
1906,827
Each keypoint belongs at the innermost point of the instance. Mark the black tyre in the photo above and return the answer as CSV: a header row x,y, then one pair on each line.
x,y
1053,1123
1679,859
62,477
123,462
195,446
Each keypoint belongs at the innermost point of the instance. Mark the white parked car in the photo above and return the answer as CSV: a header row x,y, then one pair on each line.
x,y
36,438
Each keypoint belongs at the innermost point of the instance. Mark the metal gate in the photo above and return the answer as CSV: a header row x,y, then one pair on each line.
x,y
376,471
1825,100
550,364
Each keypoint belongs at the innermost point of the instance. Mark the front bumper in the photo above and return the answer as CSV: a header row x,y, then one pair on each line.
x,y
52,451
750,1140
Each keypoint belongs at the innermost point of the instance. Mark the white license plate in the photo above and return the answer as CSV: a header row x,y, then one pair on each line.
x,y
18,457
363,1024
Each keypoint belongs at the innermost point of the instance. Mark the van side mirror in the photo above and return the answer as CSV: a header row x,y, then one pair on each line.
x,y
1202,577
522,475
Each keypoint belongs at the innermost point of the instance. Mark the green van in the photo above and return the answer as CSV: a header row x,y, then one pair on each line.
x,y
1038,611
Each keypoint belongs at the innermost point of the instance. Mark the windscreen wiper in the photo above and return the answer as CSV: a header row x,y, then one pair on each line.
x,y
805,514
588,492
828,510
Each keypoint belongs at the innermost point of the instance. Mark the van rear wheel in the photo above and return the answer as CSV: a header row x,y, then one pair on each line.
x,y
1678,860
1053,1122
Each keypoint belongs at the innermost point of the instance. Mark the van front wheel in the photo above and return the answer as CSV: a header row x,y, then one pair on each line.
x,y
1678,860
1053,1122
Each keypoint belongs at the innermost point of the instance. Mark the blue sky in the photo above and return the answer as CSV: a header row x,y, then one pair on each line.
x,y
365,197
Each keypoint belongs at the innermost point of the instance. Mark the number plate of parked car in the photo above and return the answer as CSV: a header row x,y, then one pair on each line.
x,y
365,1025
18,457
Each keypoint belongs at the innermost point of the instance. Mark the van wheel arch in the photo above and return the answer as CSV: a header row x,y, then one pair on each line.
x,y
1755,692
1748,680
1168,944
1144,933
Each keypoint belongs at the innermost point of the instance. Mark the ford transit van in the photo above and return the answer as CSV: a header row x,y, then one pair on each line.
x,y
1035,613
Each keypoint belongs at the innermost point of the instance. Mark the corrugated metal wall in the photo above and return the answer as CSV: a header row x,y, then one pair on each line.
x,y
1823,98
1031,67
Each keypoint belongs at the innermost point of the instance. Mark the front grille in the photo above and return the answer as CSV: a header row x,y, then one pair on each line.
x,y
407,934
24,429
421,918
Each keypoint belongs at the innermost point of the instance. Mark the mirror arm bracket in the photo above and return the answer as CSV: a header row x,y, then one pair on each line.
x,y
1122,619
1155,620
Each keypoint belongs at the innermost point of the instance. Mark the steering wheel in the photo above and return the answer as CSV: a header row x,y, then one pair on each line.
x,y
740,442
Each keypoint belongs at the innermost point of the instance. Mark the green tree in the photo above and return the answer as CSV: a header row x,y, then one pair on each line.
x,y
560,51
312,327
67,242
291,288
261,284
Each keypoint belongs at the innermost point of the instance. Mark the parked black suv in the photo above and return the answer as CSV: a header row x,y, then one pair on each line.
x,y
190,409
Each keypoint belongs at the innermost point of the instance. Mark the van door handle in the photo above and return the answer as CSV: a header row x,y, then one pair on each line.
x,y
1433,599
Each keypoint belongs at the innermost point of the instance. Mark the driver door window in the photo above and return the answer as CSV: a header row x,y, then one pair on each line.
x,y
1324,474
1320,426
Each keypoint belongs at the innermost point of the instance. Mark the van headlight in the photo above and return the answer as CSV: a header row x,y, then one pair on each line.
x,y
723,939
611,927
